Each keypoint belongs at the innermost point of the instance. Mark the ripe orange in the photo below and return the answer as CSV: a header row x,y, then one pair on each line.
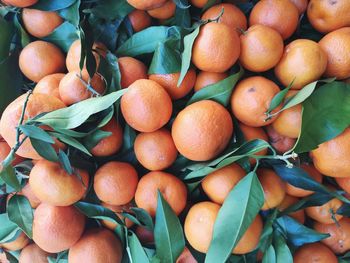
x,y
205,78
279,142
117,209
155,150
336,45
169,83
339,241
172,188
325,213
344,183
301,5
216,48
131,70
202,130
96,245
57,228
32,253
253,133
39,59
54,186
186,257
49,85
146,5
139,20
261,48
273,186
330,158
144,235
20,242
198,3
111,144
314,252
163,12
311,61
287,202
20,3
115,183
40,23
251,99
32,198
4,152
146,106
217,185
281,15
37,103
326,16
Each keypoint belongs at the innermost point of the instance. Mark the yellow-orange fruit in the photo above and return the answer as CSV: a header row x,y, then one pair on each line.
x,y
5,151
131,70
287,202
146,5
139,20
163,12
205,78
117,209
344,183
199,3
29,194
325,213
301,5
20,3
314,252
33,254
49,85
279,142
20,242
253,133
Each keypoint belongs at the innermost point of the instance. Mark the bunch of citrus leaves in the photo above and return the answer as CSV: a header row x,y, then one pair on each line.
x,y
174,131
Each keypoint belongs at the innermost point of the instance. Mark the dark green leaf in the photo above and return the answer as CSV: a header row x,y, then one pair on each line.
x,y
44,149
266,236
12,256
283,254
36,133
183,4
8,229
344,210
94,138
6,35
137,252
181,18
270,255
166,59
64,160
129,138
71,13
209,4
143,217
278,98
71,141
64,35
8,175
20,212
21,33
53,5
110,9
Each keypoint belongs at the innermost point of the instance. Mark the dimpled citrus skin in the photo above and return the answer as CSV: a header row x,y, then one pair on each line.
x,y
163,12
202,130
314,252
324,213
33,254
139,20
301,5
49,85
20,242
216,48
20,3
57,228
146,5
205,78
198,3
131,70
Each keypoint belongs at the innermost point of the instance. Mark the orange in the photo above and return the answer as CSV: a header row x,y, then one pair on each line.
x,y
301,5
336,45
146,106
186,257
202,130
131,70
20,242
117,209
287,202
326,16
29,194
20,3
251,99
279,142
325,213
314,252
39,59
57,228
199,3
205,78
155,150
261,48
232,16
4,152
115,183
163,12
281,15
330,158
96,245
217,185
33,253
273,186
146,5
344,183
54,186
311,61
169,83
49,85
216,48
73,89
253,133
139,20
172,188
40,23
37,103
144,235
339,240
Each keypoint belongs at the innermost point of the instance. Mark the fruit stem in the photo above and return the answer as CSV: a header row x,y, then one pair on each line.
x,y
284,158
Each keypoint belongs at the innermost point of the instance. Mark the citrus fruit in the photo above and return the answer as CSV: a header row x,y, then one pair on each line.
x,y
254,133
301,5
314,252
289,201
117,209
49,85
32,253
5,149
199,3
279,142
163,12
20,3
205,78
29,194
186,257
144,235
18,243
131,70
146,5
202,130
139,20
325,213
344,183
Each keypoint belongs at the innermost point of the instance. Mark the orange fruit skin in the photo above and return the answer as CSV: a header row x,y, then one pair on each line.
x,y
336,45
311,61
57,228
118,209
53,185
96,245
323,213
330,158
40,23
32,198
314,252
155,150
232,16
37,103
261,48
139,20
253,133
131,70
49,85
20,3
287,202
301,5
202,130
144,235
216,48
205,78
273,186
146,106
172,188
32,253
20,242
39,59
279,142
169,83
281,15
163,12
250,100
115,183
4,152
326,16
186,257
198,3
217,185
146,5
339,241
344,183
111,144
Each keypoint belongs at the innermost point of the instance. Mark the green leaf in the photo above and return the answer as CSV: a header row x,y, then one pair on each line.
x,y
71,13
63,36
36,133
344,210
6,35
8,229
44,149
71,141
53,5
22,34
270,255
64,160
209,4
137,252
266,235
110,9
240,208
283,254
20,212
128,138
168,233
183,4
278,98
220,91
8,175
143,217
166,59
94,138
12,256
182,18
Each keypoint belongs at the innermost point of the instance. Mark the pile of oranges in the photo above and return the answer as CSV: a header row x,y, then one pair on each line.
x,y
163,129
